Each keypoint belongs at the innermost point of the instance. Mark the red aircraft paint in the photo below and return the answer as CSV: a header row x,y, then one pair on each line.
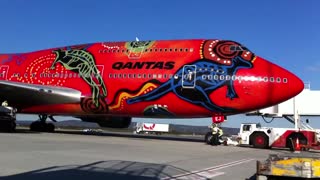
x,y
165,78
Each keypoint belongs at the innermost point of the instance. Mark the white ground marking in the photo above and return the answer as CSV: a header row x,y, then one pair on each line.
x,y
208,172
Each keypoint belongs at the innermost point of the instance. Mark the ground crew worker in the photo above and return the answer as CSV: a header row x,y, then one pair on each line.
x,y
4,104
220,133
215,135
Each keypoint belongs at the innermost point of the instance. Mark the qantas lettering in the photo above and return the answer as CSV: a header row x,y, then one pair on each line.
x,y
143,65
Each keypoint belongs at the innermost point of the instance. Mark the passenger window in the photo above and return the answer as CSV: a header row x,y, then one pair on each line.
x,y
129,75
133,75
215,77
271,79
124,75
285,80
170,76
115,75
278,80
204,76
159,76
176,76
149,76
110,75
265,79
154,76
228,77
186,49
210,77
138,75
144,75
165,76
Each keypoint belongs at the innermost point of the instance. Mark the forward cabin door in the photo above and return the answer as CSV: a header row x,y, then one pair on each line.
x,y
189,76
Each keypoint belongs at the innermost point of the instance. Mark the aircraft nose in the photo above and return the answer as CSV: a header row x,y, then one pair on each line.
x,y
296,85
282,83
265,84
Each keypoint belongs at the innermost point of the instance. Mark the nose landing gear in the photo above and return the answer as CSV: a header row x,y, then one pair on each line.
x,y
41,125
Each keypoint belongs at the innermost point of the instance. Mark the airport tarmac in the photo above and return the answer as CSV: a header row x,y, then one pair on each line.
x,y
59,156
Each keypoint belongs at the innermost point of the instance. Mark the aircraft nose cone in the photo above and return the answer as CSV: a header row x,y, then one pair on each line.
x,y
283,84
264,85
296,85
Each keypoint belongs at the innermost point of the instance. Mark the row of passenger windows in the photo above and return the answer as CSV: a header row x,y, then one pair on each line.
x,y
147,50
159,76
118,50
204,77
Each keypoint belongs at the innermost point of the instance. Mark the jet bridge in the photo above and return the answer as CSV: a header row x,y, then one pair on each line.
x,y
307,103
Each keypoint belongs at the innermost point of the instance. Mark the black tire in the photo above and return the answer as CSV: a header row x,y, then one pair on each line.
x,y
50,127
7,126
259,140
208,137
12,127
35,126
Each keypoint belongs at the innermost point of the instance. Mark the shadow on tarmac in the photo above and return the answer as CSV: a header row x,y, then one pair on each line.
x,y
103,170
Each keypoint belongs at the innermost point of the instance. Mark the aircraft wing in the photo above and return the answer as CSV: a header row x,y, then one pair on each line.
x,y
25,95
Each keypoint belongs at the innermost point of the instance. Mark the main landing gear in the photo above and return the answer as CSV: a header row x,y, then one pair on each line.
x,y
41,125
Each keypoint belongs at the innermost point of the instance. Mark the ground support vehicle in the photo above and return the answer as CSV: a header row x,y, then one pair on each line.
x,y
151,128
268,137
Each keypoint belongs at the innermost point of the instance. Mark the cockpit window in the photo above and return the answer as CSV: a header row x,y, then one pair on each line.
x,y
238,48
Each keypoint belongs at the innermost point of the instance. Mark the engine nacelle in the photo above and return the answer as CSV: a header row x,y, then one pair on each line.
x,y
109,122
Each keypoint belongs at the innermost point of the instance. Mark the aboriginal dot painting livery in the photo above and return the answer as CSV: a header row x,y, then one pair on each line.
x,y
165,78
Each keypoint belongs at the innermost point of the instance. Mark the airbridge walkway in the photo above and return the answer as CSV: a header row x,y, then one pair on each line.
x,y
307,103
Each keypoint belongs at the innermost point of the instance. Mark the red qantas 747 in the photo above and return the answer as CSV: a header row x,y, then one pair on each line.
x,y
111,82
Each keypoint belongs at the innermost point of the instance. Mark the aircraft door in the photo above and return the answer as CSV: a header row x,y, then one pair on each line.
x,y
189,76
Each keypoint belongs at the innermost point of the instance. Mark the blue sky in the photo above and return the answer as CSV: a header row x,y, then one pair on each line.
x,y
285,32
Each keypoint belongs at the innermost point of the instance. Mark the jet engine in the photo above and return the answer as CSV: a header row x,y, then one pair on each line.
x,y
109,122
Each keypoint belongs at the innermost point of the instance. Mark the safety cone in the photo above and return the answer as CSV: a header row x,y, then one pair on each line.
x,y
297,148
